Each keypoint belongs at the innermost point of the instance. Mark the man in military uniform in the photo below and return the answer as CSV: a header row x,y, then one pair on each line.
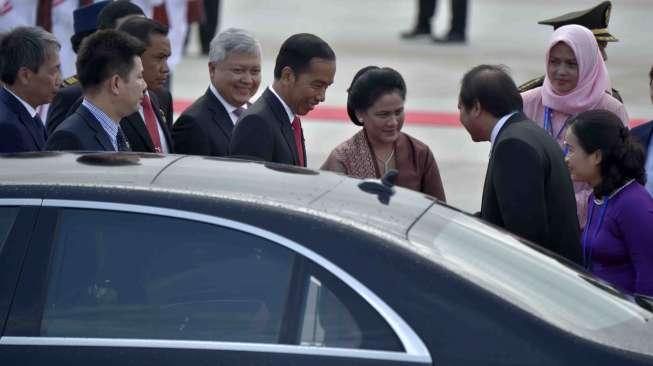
x,y
595,19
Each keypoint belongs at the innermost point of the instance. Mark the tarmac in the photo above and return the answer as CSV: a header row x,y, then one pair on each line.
x,y
366,32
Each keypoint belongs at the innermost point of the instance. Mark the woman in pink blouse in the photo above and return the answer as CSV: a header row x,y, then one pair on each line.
x,y
576,81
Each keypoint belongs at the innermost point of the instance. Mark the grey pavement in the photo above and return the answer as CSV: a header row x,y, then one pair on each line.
x,y
364,32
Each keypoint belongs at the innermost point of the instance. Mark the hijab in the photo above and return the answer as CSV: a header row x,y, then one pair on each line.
x,y
593,79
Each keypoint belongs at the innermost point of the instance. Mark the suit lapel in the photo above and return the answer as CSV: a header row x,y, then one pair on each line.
x,y
647,135
100,134
136,121
35,130
218,110
282,118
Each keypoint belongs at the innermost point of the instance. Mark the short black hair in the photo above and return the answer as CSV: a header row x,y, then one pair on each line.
x,y
298,50
493,88
622,158
369,84
143,28
650,75
24,47
104,54
116,10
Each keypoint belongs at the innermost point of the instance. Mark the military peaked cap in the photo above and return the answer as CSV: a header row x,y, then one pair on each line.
x,y
595,19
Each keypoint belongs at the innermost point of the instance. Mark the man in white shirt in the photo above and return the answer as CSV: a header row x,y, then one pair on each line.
x,y
528,189
30,68
205,128
147,130
271,129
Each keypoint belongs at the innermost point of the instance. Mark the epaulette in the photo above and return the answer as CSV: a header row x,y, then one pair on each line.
x,y
531,84
615,93
70,81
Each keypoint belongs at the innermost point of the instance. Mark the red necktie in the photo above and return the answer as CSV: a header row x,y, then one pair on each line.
x,y
297,129
150,123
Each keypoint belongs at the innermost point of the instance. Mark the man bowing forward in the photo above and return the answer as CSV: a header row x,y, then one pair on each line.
x,y
528,189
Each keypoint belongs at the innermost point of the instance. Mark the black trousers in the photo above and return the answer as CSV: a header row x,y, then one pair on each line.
x,y
210,24
426,11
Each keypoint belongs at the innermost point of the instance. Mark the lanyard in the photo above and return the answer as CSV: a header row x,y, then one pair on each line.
x,y
548,124
587,243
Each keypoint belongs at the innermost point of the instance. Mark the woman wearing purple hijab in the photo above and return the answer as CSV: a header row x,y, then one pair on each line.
x,y
576,81
617,241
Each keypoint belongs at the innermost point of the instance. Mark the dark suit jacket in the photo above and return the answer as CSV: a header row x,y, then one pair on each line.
x,y
528,189
164,98
65,103
136,132
204,128
80,132
70,98
19,132
263,132
643,134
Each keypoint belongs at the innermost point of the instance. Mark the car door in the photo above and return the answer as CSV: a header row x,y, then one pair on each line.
x,y
17,219
121,284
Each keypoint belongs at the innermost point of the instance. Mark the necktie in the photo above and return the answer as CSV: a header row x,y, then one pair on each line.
x,y
150,123
38,120
121,141
39,127
297,129
238,111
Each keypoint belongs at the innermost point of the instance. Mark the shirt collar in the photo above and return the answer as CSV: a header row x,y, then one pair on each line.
x,y
291,115
228,106
31,110
499,125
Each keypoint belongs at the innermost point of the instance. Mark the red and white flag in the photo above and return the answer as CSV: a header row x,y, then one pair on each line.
x,y
6,7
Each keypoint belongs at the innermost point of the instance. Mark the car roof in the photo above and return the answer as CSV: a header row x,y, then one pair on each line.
x,y
317,192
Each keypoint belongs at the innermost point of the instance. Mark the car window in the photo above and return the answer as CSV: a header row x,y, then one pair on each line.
x,y
127,275
545,286
7,218
333,315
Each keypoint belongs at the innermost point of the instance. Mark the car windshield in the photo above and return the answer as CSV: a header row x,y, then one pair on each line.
x,y
524,275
